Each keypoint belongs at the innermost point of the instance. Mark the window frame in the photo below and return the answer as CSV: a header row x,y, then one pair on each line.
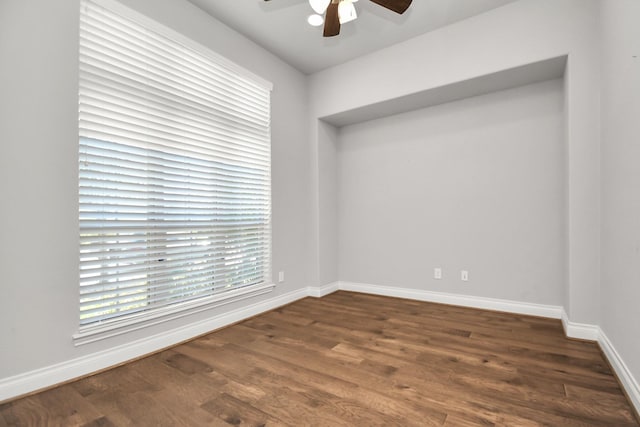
x,y
134,321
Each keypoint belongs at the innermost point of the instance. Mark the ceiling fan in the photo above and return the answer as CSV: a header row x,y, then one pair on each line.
x,y
338,12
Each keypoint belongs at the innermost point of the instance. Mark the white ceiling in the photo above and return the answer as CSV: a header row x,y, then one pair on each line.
x,y
280,26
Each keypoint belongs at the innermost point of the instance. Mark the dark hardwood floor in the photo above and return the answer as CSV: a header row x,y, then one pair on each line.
x,y
351,360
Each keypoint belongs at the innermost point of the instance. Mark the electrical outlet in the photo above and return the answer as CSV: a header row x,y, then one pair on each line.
x,y
281,277
437,273
464,275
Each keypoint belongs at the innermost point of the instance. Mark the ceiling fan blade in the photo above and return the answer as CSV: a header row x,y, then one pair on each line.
x,y
331,20
398,6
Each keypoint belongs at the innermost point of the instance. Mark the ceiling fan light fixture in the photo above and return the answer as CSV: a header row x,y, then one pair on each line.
x,y
319,6
346,11
334,13
315,20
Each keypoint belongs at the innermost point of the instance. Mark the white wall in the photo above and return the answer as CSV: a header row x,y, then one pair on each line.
x,y
621,179
519,33
328,203
477,184
38,173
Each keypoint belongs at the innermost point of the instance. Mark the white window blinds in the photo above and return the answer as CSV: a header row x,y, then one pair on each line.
x,y
174,181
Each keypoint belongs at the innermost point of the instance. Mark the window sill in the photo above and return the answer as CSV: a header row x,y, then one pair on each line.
x,y
107,330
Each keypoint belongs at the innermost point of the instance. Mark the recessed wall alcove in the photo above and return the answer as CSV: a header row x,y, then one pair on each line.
x,y
478,164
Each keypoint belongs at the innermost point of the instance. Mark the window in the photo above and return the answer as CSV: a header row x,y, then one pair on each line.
x,y
174,174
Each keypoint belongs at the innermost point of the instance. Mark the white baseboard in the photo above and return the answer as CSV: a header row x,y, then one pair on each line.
x,y
550,311
321,291
625,376
581,331
38,379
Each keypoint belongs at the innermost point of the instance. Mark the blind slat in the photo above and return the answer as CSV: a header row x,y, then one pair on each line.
x,y
136,303
164,260
165,279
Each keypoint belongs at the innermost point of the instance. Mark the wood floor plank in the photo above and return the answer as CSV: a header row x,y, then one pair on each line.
x,y
58,406
237,412
100,422
330,379
291,401
351,359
